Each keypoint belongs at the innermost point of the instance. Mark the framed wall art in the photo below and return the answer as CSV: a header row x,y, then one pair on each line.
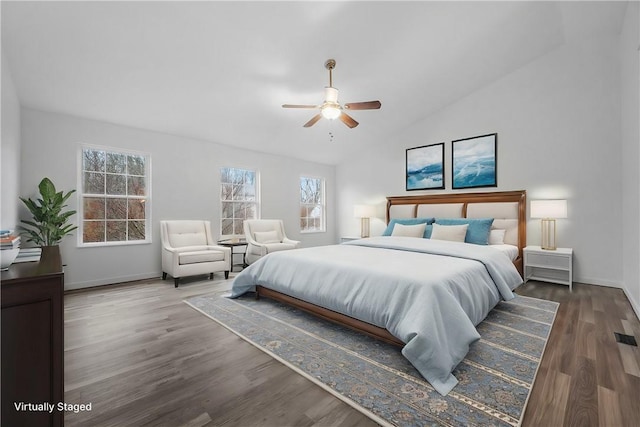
x,y
474,162
425,167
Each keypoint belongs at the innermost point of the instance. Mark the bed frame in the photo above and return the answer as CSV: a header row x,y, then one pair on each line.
x,y
411,206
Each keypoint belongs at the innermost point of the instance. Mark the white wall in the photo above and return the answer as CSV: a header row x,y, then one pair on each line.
x,y
185,185
630,90
9,151
558,125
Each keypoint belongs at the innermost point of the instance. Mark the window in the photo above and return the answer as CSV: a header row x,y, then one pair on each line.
x,y
238,199
312,205
115,190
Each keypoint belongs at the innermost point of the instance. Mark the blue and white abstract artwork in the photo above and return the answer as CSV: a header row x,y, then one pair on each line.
x,y
425,167
475,162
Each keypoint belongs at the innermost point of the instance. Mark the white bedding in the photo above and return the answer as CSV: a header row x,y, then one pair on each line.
x,y
509,250
430,301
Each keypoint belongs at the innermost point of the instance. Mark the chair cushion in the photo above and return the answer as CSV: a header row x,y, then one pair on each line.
x,y
267,237
261,225
275,247
200,256
186,233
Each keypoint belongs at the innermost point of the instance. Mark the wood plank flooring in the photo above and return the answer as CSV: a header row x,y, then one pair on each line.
x,y
142,357
586,378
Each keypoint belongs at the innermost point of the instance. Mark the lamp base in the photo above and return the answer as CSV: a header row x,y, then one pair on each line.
x,y
548,229
364,227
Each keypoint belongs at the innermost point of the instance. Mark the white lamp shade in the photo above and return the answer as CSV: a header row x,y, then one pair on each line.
x,y
548,209
364,211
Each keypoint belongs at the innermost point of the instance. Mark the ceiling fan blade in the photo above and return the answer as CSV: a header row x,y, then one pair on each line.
x,y
368,105
313,121
348,120
298,106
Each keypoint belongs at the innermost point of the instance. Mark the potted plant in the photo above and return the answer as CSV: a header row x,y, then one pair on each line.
x,y
50,222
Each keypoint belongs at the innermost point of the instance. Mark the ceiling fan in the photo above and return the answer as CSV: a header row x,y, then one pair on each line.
x,y
331,108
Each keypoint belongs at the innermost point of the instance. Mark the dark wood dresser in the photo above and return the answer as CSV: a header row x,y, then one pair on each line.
x,y
33,341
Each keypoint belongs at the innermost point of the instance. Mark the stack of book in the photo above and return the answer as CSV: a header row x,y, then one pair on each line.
x,y
9,240
28,254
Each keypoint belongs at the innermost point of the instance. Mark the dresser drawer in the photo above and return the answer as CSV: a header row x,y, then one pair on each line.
x,y
548,261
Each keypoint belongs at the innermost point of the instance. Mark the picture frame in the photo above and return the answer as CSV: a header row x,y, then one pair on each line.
x,y
425,167
474,162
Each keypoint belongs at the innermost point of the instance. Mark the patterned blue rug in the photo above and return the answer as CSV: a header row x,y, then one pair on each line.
x,y
494,379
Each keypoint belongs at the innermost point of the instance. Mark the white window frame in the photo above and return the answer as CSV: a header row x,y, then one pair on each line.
x,y
256,202
82,194
323,203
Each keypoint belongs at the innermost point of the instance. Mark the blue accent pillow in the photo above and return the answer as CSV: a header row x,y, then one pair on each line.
x,y
477,232
410,221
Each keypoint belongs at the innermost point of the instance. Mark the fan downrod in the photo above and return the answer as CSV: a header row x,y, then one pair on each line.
x,y
330,64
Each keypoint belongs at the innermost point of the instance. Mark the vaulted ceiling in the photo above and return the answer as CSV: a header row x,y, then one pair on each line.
x,y
219,71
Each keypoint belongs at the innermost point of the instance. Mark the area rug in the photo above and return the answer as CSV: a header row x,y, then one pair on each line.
x,y
495,378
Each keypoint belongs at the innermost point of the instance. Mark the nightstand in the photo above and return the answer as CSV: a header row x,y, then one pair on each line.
x,y
554,266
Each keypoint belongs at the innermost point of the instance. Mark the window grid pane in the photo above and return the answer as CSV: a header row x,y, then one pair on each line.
x,y
93,160
93,231
114,196
116,184
93,183
116,163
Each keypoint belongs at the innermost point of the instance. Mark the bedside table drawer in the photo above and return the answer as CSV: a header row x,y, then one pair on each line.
x,y
548,261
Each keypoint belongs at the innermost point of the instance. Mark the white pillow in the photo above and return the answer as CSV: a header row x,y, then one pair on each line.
x,y
496,237
267,237
416,230
455,233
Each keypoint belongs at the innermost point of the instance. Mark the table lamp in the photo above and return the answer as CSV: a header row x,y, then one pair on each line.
x,y
548,211
364,212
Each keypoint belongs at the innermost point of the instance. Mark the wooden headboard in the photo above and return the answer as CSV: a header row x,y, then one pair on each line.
x,y
508,208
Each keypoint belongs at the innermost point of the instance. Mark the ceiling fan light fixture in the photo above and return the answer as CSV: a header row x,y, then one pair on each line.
x,y
331,111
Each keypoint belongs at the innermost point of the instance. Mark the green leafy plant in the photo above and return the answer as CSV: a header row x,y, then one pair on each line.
x,y
50,223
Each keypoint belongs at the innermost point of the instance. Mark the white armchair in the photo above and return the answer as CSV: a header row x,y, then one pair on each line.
x,y
189,250
265,236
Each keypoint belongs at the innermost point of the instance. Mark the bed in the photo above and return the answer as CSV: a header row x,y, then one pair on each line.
x,y
426,295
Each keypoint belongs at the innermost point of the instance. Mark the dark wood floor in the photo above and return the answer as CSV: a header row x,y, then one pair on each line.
x,y
141,356
586,378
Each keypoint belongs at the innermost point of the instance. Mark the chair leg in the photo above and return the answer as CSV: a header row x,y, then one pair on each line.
x,y
175,281
210,276
226,274
164,276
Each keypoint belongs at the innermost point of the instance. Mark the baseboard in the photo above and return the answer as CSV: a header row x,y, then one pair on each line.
x,y
111,280
634,304
598,282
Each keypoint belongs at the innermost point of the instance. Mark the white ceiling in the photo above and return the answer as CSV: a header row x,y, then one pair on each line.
x,y
219,71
